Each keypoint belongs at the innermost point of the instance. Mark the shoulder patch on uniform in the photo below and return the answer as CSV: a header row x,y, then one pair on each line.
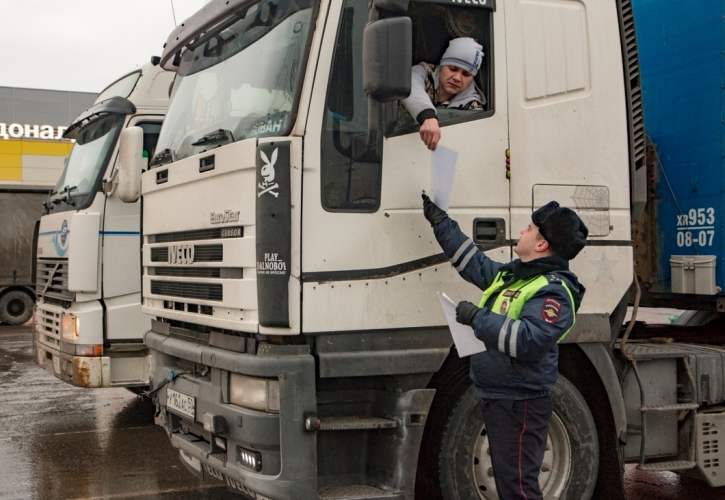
x,y
551,310
553,279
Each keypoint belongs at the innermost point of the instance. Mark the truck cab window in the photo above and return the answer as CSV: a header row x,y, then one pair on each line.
x,y
349,183
436,24
350,175
151,132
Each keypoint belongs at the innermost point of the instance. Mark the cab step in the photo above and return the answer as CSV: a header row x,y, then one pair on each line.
x,y
355,423
353,491
673,407
668,466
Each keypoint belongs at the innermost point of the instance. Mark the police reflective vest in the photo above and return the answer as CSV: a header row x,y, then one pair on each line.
x,y
511,301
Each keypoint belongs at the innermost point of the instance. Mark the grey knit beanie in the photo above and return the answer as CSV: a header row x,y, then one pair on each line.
x,y
463,53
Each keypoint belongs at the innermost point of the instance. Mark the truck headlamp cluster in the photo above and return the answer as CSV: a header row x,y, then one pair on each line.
x,y
70,326
255,393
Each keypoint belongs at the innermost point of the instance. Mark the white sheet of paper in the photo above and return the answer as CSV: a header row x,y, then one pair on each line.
x,y
441,176
466,341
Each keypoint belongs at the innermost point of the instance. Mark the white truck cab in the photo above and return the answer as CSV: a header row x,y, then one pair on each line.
x,y
88,321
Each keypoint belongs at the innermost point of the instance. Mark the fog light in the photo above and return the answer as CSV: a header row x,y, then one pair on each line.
x,y
70,326
255,393
88,350
250,459
216,424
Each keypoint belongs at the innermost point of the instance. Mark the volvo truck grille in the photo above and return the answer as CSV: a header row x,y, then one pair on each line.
x,y
47,324
52,279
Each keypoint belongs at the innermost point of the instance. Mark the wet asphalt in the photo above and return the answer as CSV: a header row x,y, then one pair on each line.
x,y
63,442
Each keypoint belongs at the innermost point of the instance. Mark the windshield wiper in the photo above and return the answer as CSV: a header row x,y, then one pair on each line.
x,y
48,203
216,136
162,158
68,197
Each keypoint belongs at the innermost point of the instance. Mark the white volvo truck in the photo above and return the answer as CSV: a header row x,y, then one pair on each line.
x,y
88,322
300,351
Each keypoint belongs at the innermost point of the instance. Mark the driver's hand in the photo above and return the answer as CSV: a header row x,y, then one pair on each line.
x,y
430,133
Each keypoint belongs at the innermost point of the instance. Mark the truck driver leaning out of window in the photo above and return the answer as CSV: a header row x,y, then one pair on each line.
x,y
527,307
448,85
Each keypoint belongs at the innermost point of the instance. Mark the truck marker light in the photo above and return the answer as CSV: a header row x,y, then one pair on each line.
x,y
89,350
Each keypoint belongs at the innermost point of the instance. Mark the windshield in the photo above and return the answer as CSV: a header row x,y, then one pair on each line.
x,y
241,80
93,145
121,88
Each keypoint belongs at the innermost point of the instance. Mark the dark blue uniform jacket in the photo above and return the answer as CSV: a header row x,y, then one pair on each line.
x,y
521,359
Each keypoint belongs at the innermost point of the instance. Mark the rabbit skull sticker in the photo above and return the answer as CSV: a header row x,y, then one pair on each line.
x,y
268,185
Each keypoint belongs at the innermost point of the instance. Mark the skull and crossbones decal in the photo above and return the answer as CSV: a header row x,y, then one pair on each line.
x,y
267,172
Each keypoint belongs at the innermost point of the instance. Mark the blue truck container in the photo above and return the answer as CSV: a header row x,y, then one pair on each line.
x,y
681,48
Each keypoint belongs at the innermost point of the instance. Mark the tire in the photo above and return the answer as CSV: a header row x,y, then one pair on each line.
x,y
569,470
16,307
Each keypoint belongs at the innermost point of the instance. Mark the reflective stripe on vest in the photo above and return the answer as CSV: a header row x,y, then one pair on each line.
x,y
516,295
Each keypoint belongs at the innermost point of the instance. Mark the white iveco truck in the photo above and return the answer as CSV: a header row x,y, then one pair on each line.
x,y
88,322
300,351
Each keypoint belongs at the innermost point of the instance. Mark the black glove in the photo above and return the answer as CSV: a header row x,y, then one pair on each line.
x,y
465,312
432,212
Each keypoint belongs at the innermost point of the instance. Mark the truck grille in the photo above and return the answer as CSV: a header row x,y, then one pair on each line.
x,y
202,253
200,291
187,272
47,324
52,279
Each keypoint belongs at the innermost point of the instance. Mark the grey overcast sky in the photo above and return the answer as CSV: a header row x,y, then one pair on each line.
x,y
82,45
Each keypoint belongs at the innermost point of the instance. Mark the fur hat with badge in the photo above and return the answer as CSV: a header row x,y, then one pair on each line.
x,y
562,228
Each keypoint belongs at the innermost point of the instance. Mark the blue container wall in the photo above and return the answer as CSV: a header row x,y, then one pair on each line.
x,y
681,47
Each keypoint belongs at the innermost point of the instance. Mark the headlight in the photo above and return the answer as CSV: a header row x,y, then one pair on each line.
x,y
70,326
256,393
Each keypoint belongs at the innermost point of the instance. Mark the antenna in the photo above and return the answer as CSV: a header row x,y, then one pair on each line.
x,y
173,13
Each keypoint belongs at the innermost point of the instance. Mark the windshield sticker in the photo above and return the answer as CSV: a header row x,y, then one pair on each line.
x,y
269,125
267,172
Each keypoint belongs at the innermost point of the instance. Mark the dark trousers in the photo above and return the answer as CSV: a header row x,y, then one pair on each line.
x,y
517,433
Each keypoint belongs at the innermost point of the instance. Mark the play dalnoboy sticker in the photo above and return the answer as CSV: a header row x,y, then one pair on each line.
x,y
273,233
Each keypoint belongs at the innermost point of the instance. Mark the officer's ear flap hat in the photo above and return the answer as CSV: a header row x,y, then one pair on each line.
x,y
562,228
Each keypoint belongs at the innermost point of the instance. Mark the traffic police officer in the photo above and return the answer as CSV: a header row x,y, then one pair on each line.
x,y
528,306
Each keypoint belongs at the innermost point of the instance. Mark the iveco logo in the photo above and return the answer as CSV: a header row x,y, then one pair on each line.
x,y
181,254
226,216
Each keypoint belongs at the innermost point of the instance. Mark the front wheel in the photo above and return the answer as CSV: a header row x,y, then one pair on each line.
x,y
571,461
16,307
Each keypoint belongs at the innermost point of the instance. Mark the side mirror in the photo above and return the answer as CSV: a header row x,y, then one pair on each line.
x,y
388,58
130,163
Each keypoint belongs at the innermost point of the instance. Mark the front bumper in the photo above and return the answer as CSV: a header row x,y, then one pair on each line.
x,y
289,453
119,367
81,371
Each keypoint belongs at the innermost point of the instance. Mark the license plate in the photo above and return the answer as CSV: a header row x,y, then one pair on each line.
x,y
181,403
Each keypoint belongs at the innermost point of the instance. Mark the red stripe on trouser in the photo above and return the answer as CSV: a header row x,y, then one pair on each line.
x,y
521,438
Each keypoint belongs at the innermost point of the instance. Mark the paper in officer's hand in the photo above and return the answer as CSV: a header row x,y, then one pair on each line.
x,y
441,176
466,341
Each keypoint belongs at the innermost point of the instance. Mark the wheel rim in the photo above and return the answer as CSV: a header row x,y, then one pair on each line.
x,y
555,468
16,308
